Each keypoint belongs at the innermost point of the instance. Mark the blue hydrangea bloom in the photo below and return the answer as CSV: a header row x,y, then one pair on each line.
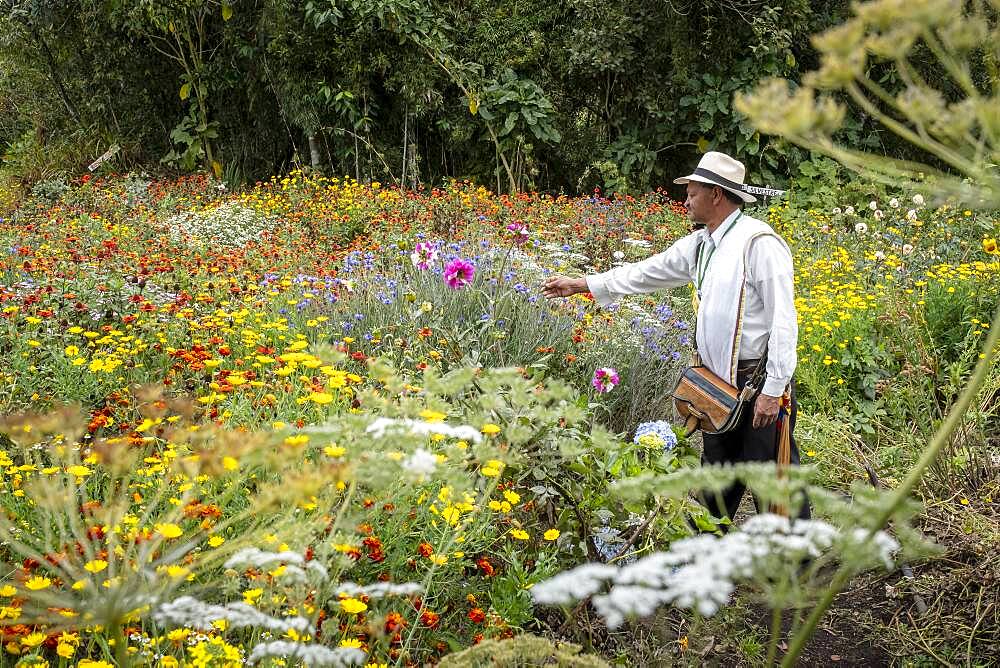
x,y
661,429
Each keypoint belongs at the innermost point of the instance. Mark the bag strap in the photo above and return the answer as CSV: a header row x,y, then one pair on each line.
x,y
759,373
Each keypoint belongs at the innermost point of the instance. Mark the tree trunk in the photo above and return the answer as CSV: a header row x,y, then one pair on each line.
x,y
54,72
314,158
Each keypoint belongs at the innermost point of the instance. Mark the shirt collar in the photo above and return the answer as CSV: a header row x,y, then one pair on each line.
x,y
720,231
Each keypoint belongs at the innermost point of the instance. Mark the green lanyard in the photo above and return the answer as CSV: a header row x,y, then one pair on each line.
x,y
702,267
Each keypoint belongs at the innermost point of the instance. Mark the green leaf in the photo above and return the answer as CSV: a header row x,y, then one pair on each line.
x,y
509,124
185,91
227,11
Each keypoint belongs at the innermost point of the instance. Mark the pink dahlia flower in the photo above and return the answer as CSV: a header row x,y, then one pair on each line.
x,y
458,273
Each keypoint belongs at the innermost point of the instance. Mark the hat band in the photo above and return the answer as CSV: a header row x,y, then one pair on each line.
x,y
733,185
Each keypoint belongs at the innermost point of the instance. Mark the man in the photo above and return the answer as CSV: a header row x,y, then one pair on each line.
x,y
742,274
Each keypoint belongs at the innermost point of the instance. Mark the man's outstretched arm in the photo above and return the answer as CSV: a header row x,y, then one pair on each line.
x,y
669,269
561,286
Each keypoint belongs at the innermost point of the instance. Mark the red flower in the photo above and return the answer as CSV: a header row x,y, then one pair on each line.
x,y
425,550
374,546
430,619
477,616
394,622
485,566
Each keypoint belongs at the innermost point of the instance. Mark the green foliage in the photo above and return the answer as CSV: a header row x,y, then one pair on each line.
x,y
520,105
625,91
190,138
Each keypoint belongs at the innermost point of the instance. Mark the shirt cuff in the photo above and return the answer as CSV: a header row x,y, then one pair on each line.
x,y
599,289
774,387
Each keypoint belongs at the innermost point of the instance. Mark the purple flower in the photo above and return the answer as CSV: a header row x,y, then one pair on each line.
x,y
458,273
605,379
423,255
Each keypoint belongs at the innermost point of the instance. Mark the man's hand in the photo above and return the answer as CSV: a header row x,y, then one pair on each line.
x,y
765,410
560,286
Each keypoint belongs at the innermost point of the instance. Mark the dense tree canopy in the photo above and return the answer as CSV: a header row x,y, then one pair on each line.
x,y
555,95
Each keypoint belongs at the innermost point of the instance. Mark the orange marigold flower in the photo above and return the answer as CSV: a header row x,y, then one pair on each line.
x,y
394,622
485,566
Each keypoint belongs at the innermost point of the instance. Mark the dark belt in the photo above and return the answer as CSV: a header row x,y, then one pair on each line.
x,y
747,365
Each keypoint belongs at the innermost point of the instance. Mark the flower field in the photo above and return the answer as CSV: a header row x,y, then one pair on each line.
x,y
326,423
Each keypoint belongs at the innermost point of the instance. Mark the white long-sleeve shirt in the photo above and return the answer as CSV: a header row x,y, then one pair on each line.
x,y
769,317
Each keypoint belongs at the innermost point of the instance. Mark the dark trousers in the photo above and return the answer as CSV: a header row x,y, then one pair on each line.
x,y
746,444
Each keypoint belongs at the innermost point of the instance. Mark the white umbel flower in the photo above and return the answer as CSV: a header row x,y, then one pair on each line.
x,y
252,557
380,426
297,569
189,611
380,589
570,586
702,572
309,654
421,462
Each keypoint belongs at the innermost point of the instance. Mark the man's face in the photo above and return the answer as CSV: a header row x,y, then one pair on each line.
x,y
700,201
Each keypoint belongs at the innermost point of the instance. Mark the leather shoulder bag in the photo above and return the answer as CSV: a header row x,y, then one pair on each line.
x,y
705,401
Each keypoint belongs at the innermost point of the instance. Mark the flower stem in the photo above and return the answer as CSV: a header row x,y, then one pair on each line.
x,y
772,645
898,496
121,645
